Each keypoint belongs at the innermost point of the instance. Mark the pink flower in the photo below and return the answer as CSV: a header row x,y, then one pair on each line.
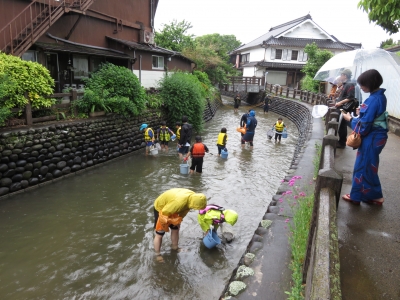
x,y
302,194
295,196
281,210
281,200
287,221
288,192
283,180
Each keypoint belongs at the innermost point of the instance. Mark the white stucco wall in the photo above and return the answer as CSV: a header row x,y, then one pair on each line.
x,y
307,30
256,54
149,78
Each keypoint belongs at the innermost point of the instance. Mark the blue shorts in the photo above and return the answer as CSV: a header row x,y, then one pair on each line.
x,y
184,149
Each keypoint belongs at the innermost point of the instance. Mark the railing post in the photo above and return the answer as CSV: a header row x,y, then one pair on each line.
x,y
11,39
287,92
294,93
28,112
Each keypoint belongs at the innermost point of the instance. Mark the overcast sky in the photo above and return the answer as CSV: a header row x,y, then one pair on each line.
x,y
249,19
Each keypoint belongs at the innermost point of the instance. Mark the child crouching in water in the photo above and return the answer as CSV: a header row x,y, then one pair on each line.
x,y
222,139
215,215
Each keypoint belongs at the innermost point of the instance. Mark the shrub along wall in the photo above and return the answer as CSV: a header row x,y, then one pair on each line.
x,y
34,156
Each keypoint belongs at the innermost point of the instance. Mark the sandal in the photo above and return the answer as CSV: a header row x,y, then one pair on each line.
x,y
347,198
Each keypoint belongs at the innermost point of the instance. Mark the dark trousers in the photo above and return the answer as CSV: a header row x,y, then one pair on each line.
x,y
342,132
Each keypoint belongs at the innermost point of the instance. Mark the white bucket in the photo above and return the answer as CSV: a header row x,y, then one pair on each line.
x,y
184,168
154,151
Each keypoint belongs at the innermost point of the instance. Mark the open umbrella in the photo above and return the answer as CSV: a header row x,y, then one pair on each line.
x,y
360,60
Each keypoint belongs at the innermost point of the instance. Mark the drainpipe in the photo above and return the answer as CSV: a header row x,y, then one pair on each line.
x,y
140,69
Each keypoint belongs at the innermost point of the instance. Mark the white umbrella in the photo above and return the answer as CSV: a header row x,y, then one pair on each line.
x,y
358,61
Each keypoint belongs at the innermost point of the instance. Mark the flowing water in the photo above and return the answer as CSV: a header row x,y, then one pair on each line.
x,y
90,236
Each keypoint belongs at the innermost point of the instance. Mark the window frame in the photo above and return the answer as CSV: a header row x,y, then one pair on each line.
x,y
245,57
276,53
158,62
292,55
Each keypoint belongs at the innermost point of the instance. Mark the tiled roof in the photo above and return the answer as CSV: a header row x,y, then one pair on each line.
x,y
280,65
147,47
301,43
274,31
72,48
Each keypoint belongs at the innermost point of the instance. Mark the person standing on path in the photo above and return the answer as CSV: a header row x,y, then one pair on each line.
x,y
169,210
347,94
373,127
251,127
185,138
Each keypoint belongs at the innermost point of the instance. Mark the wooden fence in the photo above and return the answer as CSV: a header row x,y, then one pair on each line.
x,y
59,109
304,96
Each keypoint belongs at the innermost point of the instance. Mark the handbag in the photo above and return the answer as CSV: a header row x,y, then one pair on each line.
x,y
354,138
350,105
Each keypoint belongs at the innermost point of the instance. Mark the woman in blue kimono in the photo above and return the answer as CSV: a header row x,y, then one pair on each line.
x,y
372,121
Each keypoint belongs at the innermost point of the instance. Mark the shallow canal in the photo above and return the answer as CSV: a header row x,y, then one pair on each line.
x,y
90,236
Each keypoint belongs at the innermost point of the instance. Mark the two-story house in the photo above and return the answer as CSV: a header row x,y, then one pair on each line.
x,y
279,54
73,37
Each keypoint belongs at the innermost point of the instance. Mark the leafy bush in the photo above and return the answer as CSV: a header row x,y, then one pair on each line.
x,y
108,86
183,96
122,106
154,100
24,77
92,101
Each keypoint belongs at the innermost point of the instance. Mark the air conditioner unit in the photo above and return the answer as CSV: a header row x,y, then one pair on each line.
x,y
146,37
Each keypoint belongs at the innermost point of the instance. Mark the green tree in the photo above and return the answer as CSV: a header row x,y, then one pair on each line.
x,y
174,36
210,54
182,96
385,13
316,59
388,43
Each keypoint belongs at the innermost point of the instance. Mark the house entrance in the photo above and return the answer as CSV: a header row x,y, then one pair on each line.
x,y
52,66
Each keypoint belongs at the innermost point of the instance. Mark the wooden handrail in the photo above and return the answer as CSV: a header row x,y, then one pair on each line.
x,y
28,24
23,23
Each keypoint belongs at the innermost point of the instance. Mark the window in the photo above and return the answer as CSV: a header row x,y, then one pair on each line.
x,y
246,57
158,62
29,56
278,54
295,54
81,66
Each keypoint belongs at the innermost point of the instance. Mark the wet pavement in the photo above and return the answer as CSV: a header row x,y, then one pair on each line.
x,y
369,235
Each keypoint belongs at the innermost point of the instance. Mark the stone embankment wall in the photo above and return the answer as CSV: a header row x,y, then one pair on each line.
x,y
34,156
270,230
38,156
